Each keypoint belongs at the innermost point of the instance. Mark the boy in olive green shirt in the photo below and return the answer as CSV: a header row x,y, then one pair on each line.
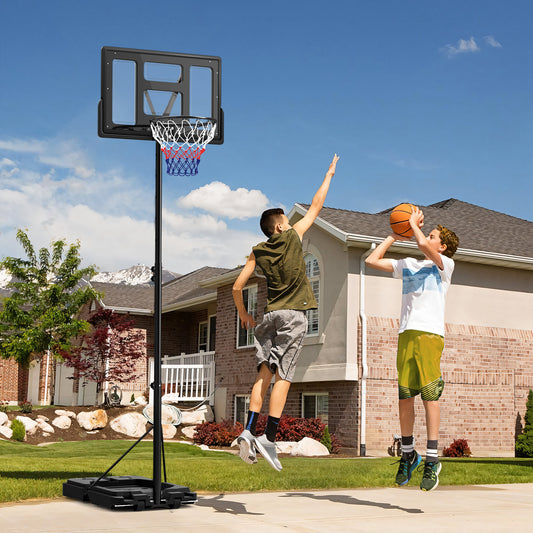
x,y
279,337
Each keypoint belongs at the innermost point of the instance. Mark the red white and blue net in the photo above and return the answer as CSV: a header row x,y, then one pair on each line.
x,y
183,140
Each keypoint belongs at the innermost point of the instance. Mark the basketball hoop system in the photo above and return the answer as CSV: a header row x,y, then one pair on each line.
x,y
183,140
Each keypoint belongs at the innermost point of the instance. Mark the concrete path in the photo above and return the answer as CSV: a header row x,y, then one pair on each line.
x,y
481,508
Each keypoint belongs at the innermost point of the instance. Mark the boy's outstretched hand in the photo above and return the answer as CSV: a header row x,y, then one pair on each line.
x,y
333,164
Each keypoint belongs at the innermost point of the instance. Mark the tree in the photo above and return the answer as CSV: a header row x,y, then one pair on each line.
x,y
111,352
524,442
49,289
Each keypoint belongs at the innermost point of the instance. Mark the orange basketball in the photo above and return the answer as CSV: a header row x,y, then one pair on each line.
x,y
399,220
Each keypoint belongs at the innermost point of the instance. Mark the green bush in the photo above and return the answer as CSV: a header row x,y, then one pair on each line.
x,y
524,442
19,432
4,406
326,439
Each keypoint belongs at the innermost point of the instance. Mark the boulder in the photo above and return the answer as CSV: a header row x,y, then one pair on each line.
x,y
169,431
169,414
42,417
62,422
90,420
6,432
62,412
286,447
131,424
198,416
29,424
45,426
309,448
190,431
140,400
4,419
171,397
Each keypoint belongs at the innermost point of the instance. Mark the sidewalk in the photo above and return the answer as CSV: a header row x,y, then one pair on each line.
x,y
480,508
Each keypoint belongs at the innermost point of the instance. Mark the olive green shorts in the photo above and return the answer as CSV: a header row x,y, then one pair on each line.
x,y
418,365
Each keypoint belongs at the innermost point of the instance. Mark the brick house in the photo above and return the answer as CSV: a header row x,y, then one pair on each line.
x,y
346,373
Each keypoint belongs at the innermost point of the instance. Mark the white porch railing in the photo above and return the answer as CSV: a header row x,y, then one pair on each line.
x,y
191,377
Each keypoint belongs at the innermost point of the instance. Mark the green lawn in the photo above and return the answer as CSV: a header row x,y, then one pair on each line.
x,y
39,472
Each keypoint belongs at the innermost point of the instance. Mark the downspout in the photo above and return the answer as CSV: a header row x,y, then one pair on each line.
x,y
362,314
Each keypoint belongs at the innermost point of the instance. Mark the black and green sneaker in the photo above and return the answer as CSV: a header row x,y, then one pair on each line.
x,y
430,478
406,468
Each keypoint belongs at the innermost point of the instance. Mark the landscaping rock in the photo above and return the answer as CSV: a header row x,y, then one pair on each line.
x,y
198,416
62,412
4,419
42,417
171,397
62,422
309,448
29,424
286,447
6,432
140,400
45,426
169,431
92,419
190,431
131,424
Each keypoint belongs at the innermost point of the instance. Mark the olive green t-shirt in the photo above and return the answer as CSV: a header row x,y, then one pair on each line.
x,y
281,260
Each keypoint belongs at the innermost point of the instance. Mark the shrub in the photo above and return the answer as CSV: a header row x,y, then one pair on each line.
x,y
3,406
19,432
25,407
326,439
524,442
458,448
217,434
290,429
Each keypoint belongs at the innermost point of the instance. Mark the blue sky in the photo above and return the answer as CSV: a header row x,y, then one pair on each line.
x,y
423,101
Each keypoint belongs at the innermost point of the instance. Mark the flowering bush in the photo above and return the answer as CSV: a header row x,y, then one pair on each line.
x,y
25,407
458,448
290,429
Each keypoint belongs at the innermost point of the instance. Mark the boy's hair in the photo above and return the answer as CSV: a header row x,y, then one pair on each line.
x,y
269,219
450,239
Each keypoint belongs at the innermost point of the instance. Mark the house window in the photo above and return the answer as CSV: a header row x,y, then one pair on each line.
x,y
203,336
316,406
312,270
212,332
242,406
245,337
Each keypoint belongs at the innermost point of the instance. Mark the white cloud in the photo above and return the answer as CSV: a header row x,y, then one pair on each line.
x,y
110,216
491,41
218,199
56,153
469,46
462,47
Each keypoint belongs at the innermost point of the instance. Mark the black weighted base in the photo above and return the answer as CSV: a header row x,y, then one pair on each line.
x,y
127,491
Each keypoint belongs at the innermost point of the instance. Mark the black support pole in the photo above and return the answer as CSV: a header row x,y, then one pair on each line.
x,y
157,329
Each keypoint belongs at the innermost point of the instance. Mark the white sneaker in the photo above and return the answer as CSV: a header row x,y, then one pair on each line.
x,y
246,447
268,450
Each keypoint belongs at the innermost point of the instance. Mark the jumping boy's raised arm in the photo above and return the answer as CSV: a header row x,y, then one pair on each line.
x,y
376,259
318,201
247,320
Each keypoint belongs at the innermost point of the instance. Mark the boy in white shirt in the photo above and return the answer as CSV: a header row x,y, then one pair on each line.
x,y
421,338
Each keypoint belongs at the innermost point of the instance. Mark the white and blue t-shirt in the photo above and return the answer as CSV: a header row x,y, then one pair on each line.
x,y
424,290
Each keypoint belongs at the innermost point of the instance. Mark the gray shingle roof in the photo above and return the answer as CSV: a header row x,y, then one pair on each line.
x,y
126,296
477,228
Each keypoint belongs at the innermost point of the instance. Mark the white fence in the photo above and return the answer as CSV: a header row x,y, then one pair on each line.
x,y
191,377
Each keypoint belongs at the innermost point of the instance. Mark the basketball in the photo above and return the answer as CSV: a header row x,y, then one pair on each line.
x,y
399,220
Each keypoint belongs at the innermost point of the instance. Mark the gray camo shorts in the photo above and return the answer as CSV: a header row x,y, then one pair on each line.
x,y
279,339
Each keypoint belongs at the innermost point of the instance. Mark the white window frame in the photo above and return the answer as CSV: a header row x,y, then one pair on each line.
x,y
316,395
253,312
246,398
317,279
206,343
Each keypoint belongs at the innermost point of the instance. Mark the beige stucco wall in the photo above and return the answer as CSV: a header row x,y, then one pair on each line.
x,y
480,295
332,354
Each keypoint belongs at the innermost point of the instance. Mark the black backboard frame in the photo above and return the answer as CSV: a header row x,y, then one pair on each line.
x,y
140,130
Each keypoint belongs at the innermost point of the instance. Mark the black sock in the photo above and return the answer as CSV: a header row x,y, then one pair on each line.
x,y
252,421
408,448
271,428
